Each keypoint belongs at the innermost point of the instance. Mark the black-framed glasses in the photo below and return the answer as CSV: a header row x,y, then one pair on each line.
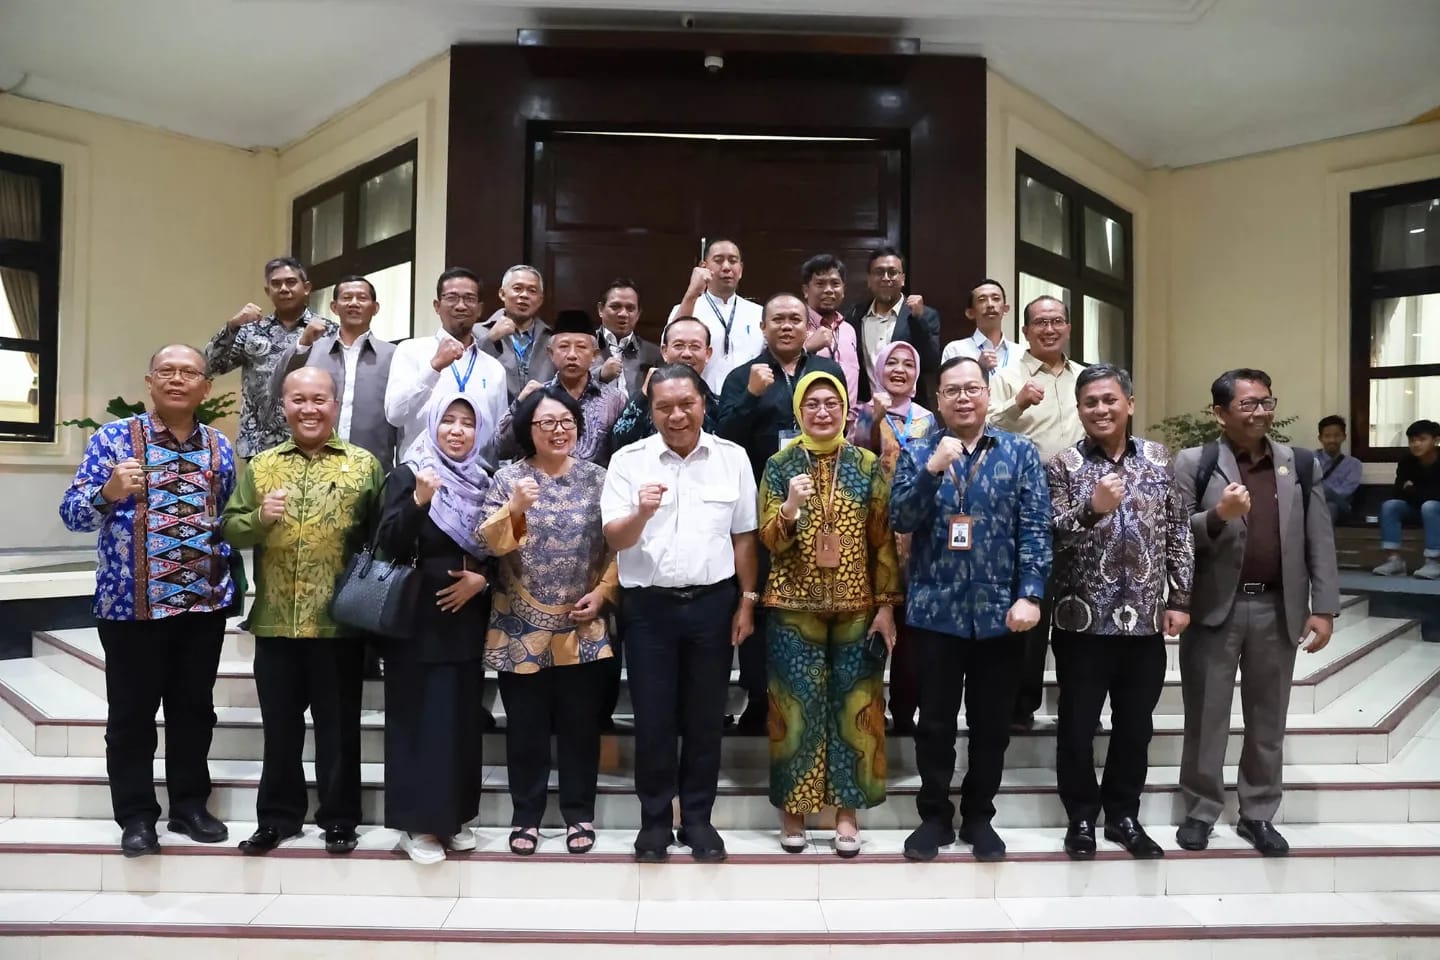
x,y
971,390
1251,404
469,299
184,374
888,273
551,424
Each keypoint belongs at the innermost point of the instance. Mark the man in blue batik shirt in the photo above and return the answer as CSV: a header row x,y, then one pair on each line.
x,y
976,501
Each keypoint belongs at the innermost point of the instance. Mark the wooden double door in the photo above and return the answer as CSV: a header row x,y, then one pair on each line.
x,y
605,206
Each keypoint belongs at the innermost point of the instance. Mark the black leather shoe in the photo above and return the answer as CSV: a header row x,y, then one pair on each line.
x,y
1193,834
1262,835
263,840
138,839
704,842
341,841
652,844
1129,834
1080,840
199,826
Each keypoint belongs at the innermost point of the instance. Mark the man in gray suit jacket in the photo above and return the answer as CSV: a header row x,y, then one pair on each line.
x,y
622,355
357,359
1265,586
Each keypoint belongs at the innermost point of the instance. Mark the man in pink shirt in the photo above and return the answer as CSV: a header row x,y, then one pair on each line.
x,y
822,284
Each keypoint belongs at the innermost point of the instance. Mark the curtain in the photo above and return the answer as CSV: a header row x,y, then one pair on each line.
x,y
20,220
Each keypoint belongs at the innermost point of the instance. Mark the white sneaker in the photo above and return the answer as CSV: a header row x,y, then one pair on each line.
x,y
1394,566
1430,570
464,840
423,848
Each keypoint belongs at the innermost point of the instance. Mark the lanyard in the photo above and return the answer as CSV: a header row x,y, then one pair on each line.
x,y
827,511
522,354
903,436
982,448
727,324
468,371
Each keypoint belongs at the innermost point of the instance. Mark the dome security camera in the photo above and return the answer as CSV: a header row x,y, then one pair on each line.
x,y
714,62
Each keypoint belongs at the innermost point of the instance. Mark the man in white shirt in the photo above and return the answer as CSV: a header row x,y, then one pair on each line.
x,y
734,322
679,507
988,343
451,360
359,362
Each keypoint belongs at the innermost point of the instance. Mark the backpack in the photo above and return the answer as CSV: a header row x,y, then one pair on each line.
x,y
1210,461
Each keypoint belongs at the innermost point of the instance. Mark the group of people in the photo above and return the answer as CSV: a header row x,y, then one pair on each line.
x,y
767,477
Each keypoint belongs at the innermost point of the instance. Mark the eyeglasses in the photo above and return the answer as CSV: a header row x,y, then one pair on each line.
x,y
1055,322
814,406
1251,404
971,390
550,424
187,374
469,299
888,273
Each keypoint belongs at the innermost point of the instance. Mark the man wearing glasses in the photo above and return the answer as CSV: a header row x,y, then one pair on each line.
x,y
449,361
1265,586
890,316
160,599
1036,398
734,322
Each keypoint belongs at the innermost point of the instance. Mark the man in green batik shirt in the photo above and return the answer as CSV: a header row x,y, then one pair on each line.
x,y
305,506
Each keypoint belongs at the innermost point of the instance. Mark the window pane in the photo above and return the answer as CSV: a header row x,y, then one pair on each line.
x,y
1407,235
386,204
322,231
1032,287
19,304
19,386
19,207
1044,217
1104,334
1104,244
1405,330
392,289
1395,404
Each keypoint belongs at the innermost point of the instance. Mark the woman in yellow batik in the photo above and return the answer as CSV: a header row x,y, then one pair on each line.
x,y
834,580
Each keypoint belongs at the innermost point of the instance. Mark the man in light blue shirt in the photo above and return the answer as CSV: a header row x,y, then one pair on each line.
x,y
1340,474
988,343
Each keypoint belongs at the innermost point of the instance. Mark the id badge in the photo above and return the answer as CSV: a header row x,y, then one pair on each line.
x,y
962,529
786,436
827,549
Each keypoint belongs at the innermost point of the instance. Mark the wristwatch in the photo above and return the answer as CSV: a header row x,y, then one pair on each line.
x,y
750,595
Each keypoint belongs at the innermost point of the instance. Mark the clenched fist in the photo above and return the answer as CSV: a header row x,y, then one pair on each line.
x,y
529,388
1234,502
700,279
503,328
447,351
313,331
947,451
427,484
523,495
248,314
611,369
1108,493
272,508
802,488
989,359
761,377
127,478
1029,395
649,499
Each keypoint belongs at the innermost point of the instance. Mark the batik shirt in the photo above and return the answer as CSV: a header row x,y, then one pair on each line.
x,y
967,593
601,403
331,499
1117,573
175,564
256,349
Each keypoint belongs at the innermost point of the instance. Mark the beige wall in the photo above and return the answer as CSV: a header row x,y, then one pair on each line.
x,y
161,236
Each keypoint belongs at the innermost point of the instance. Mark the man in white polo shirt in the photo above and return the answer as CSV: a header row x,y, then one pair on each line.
x,y
734,322
679,507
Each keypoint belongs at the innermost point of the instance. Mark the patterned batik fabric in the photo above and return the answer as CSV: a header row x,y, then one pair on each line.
x,y
869,570
896,434
600,403
331,501
560,556
157,554
827,712
1117,573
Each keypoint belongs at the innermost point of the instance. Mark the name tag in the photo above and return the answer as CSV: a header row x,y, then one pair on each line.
x,y
962,529
827,549
785,436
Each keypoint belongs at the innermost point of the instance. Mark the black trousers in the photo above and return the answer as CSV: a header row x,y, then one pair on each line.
x,y
568,700
754,667
1132,671
982,674
904,689
678,657
610,696
325,675
147,663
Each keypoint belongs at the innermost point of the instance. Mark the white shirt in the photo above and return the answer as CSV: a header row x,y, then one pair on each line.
x,y
351,356
710,495
746,340
413,381
1009,351
876,330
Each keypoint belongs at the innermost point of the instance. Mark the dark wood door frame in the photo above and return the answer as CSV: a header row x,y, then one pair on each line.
x,y
501,96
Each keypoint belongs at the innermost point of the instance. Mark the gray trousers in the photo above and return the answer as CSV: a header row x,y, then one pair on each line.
x,y
1254,639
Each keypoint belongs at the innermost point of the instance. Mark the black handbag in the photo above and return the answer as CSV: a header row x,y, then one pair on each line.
x,y
377,596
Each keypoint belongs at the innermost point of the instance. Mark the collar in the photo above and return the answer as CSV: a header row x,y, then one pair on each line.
x,y
608,336
767,357
1091,448
706,443
814,319
1034,365
305,317
1268,452
724,302
156,428
591,388
361,341
332,445
989,435
894,310
443,334
980,340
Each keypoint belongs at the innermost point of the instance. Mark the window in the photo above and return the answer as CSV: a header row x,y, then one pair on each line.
x,y
1394,314
1074,245
30,304
363,222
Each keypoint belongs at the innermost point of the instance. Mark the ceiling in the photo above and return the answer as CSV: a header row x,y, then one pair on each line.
x,y
1169,82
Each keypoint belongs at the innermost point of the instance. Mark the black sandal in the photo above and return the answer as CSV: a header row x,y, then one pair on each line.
x,y
577,832
524,833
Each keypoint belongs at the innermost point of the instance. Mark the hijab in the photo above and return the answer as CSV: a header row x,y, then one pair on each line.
x,y
456,507
798,398
898,405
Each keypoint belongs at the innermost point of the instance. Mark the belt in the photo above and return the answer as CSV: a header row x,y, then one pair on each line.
x,y
685,594
1255,589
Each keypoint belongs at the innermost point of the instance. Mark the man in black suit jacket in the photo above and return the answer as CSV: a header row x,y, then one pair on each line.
x,y
889,316
621,351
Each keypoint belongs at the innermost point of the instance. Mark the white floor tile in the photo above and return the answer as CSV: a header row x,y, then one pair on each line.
x,y
1378,874
324,876
607,916
869,916
540,878
732,881
1325,948
1400,907
290,910
180,908
1095,878
1272,909
754,916
50,871
1252,874
1067,913
23,948
1179,949
25,906
930,951
338,950
142,948
861,880
187,874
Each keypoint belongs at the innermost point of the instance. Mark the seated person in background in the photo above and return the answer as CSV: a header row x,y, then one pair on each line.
x,y
1417,493
1339,473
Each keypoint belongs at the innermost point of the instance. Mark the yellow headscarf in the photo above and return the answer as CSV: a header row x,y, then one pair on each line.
x,y
805,440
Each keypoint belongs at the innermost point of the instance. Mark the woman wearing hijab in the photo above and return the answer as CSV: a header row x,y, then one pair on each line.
x,y
887,425
433,681
834,580
555,577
